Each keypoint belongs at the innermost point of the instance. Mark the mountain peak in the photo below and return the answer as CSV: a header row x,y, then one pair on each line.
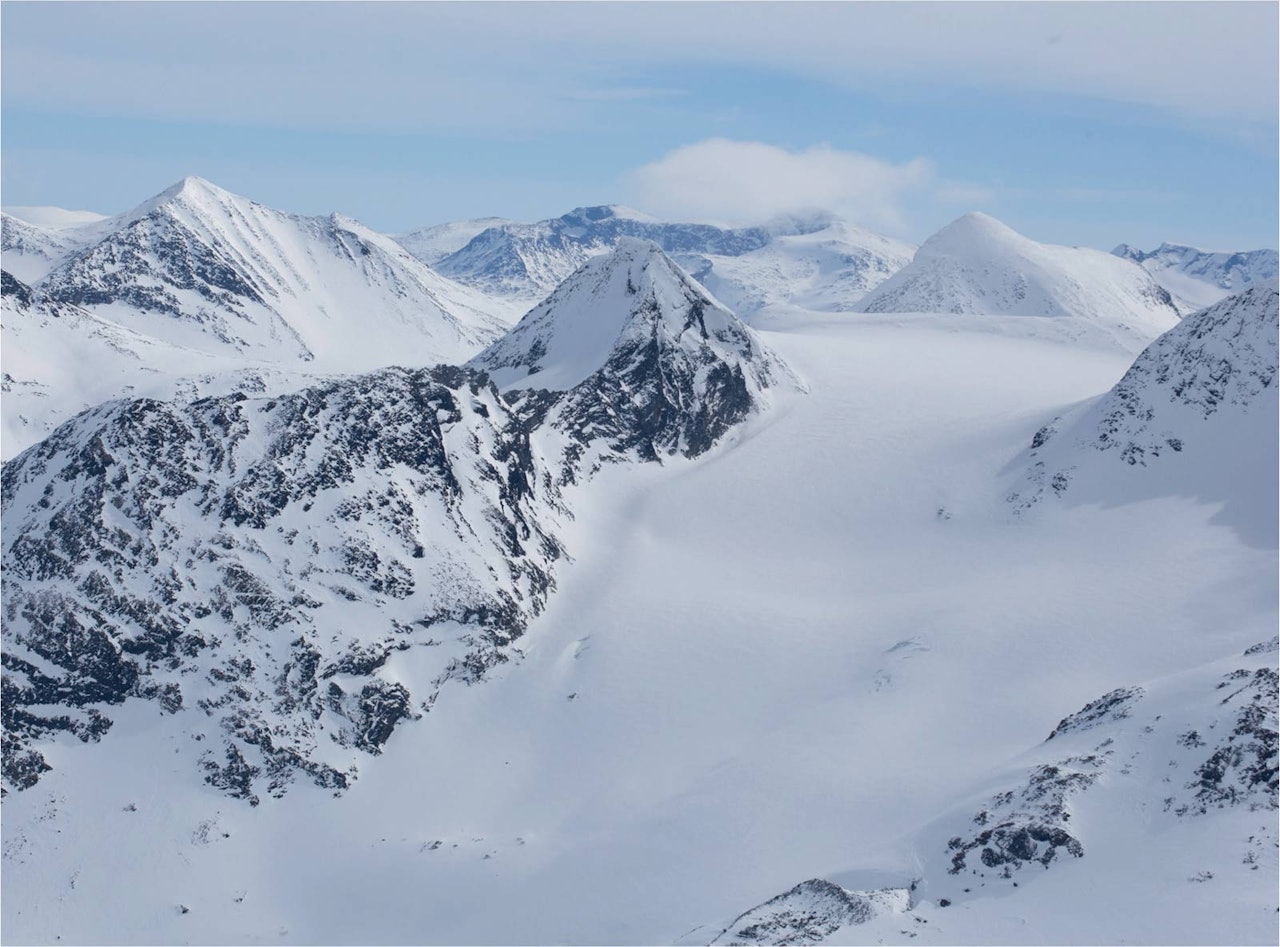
x,y
973,228
647,360
979,265
569,335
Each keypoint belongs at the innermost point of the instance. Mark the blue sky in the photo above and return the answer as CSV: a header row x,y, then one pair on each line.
x,y
1076,123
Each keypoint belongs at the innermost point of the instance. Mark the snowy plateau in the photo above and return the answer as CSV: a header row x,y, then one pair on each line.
x,y
609,580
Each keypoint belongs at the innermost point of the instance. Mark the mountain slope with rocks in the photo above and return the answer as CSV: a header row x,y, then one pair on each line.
x,y
648,361
1197,413
231,555
1142,769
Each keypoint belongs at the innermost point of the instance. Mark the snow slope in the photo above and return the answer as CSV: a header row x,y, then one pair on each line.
x,y
978,265
59,359
771,662
828,269
1201,277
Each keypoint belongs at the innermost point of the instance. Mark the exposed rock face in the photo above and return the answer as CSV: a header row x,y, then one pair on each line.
x,y
259,560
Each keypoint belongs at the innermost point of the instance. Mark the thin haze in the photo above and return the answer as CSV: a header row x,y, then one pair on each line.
x,y
1077,123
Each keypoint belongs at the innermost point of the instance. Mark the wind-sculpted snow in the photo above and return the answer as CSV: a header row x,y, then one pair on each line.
x,y
978,265
648,361
261,562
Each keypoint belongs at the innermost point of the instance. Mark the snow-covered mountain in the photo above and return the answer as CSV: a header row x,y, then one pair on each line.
x,y
978,265
1199,408
200,267
1203,277
449,624
827,269
810,259
816,651
648,359
202,292
231,554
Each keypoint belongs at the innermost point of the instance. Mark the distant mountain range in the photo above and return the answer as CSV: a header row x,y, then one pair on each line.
x,y
1200,277
814,260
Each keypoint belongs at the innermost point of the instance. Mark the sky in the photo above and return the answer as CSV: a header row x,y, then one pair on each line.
x,y
1076,123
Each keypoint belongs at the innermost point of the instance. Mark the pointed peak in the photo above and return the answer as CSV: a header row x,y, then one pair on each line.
x,y
972,232
193,187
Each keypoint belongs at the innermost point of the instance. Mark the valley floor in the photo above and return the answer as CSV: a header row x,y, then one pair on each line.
x,y
775,663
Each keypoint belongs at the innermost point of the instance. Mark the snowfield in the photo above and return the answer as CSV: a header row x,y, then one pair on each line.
x,y
816,651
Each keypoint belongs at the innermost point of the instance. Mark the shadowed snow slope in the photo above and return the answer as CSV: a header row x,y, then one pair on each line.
x,y
978,265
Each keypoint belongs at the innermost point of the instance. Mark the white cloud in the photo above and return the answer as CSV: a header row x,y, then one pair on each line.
x,y
736,182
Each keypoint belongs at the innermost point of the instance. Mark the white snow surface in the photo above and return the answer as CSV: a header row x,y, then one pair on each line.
x,y
977,264
29,251
813,652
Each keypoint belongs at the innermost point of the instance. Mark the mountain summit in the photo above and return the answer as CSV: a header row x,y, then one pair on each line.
x,y
643,351
977,264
